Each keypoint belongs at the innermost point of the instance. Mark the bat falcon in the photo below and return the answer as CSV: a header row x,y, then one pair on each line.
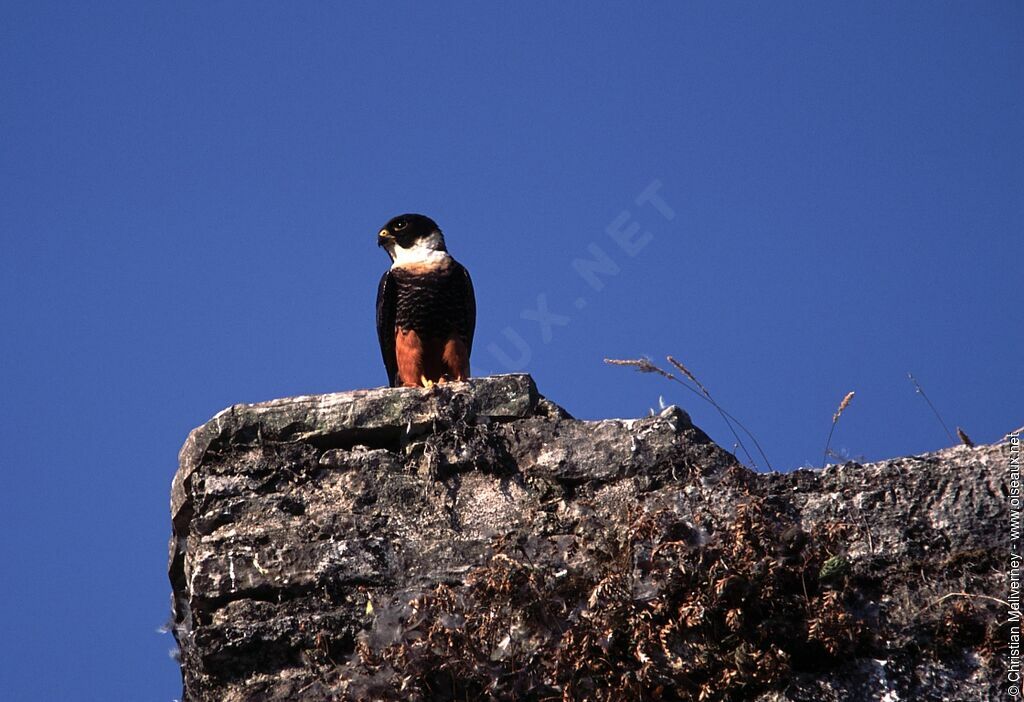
x,y
426,311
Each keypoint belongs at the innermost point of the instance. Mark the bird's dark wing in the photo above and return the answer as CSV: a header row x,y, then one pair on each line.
x,y
386,300
469,311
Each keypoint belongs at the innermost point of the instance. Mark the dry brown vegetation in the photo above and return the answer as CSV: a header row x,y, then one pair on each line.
x,y
664,619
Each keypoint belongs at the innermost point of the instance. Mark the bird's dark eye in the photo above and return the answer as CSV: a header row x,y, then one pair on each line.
x,y
400,225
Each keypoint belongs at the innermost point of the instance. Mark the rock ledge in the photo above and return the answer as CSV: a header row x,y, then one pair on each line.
x,y
476,542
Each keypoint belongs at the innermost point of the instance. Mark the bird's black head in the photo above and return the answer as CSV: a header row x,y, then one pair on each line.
x,y
408,233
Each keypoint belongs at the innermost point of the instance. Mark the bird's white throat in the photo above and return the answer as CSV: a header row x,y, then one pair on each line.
x,y
428,250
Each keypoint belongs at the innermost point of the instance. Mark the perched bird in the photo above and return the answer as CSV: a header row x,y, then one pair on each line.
x,y
426,311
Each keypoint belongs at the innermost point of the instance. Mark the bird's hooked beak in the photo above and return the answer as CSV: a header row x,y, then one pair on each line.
x,y
383,237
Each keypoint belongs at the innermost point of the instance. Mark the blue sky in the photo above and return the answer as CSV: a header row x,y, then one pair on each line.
x,y
191,193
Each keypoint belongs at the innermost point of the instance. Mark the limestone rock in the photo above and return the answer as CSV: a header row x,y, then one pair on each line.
x,y
474,541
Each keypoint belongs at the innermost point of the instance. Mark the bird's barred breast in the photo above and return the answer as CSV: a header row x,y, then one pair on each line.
x,y
430,301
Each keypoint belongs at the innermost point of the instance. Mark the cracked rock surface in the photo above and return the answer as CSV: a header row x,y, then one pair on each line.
x,y
474,541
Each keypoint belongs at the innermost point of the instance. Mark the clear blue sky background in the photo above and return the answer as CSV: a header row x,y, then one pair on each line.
x,y
191,193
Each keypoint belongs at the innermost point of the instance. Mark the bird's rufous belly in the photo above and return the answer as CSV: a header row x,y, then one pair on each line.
x,y
425,358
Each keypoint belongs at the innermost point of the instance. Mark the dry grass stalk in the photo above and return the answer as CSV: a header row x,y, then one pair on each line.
x,y
969,595
920,391
685,371
835,420
842,406
645,365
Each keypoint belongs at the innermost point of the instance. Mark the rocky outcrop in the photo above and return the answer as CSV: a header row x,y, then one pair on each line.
x,y
474,541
